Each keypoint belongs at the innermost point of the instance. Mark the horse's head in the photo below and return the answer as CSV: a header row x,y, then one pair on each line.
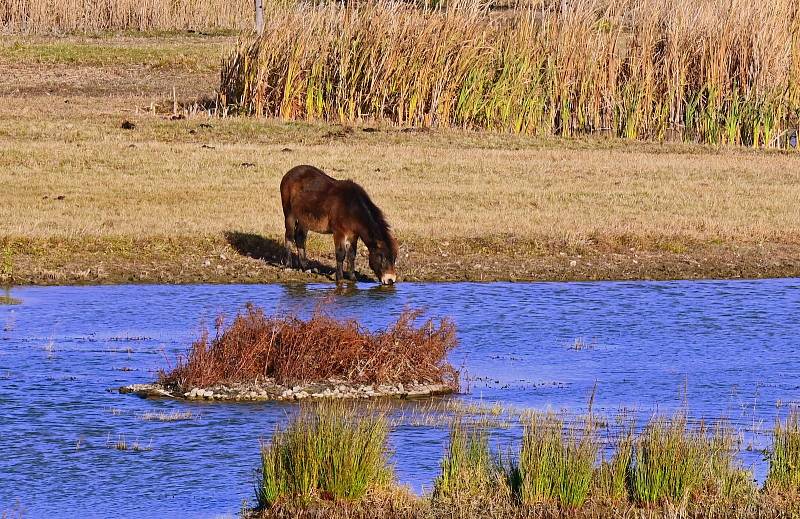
x,y
381,261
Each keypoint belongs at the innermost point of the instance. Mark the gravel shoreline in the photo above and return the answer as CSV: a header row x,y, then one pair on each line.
x,y
269,390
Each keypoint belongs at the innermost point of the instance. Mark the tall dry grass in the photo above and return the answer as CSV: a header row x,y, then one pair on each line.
x,y
92,16
292,350
714,71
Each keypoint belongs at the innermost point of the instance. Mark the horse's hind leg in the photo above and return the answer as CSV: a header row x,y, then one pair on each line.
x,y
340,244
300,236
351,258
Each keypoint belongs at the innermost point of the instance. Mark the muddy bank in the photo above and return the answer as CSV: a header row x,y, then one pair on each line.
x,y
271,390
248,258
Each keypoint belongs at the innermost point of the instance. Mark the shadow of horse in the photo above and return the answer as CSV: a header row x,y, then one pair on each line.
x,y
273,252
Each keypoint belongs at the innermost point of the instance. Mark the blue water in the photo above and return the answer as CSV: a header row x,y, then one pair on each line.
x,y
723,348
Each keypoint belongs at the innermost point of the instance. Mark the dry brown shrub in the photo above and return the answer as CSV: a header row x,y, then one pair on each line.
x,y
283,346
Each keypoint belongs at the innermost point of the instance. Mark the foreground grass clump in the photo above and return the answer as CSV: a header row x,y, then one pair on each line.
x,y
469,472
330,462
328,451
784,460
611,478
628,68
553,465
673,461
290,350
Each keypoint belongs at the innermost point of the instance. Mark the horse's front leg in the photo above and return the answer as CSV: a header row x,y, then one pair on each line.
x,y
341,251
351,259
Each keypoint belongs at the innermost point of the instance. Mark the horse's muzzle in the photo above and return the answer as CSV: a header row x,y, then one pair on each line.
x,y
388,279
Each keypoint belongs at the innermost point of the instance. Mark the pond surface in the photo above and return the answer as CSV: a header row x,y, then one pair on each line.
x,y
726,348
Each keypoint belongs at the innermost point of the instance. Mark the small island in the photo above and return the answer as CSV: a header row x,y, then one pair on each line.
x,y
284,357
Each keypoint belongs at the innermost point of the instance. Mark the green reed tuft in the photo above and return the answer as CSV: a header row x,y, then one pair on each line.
x,y
612,476
672,461
554,464
329,450
468,470
784,459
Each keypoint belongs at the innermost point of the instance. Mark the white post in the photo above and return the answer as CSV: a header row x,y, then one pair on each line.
x,y
259,4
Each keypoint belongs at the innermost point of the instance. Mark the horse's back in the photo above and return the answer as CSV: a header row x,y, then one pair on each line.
x,y
304,184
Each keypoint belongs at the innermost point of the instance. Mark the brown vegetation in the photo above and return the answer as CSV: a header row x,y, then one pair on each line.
x,y
290,350
638,69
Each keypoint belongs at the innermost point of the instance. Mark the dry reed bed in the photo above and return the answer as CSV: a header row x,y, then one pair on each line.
x,y
286,349
714,71
331,460
73,16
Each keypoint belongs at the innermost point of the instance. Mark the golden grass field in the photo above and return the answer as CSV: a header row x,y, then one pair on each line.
x,y
65,16
196,199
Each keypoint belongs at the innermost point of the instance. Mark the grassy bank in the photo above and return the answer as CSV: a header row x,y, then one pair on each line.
x,y
636,69
196,199
668,468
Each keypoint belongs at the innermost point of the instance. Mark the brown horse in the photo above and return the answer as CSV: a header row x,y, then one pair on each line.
x,y
313,201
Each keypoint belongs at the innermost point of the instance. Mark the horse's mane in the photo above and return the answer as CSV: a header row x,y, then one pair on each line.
x,y
376,220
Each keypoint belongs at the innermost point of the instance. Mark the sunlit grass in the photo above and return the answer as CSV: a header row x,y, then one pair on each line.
x,y
122,444
97,16
178,57
612,475
672,465
555,463
784,458
329,450
469,471
628,69
672,461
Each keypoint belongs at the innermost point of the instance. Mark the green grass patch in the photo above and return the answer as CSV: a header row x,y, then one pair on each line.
x,y
331,462
784,459
468,470
328,451
611,477
673,461
554,464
